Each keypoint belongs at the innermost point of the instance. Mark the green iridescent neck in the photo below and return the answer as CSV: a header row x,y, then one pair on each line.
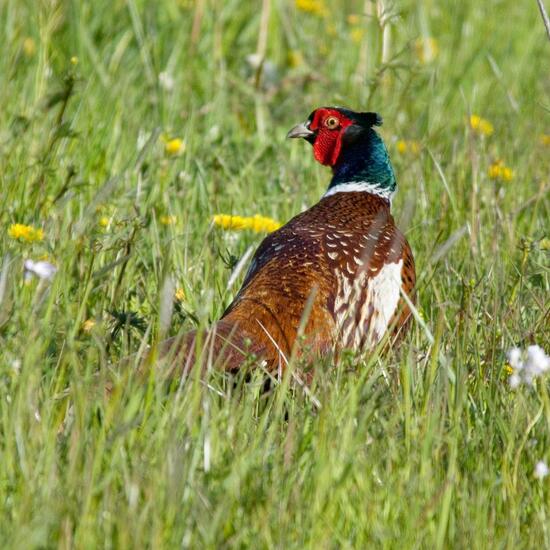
x,y
364,164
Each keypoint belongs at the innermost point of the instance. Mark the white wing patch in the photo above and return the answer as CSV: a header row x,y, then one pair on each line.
x,y
385,294
365,307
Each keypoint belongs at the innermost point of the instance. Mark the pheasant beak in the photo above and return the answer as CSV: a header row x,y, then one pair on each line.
x,y
301,131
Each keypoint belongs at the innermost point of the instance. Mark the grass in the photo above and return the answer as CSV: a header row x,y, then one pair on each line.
x,y
424,447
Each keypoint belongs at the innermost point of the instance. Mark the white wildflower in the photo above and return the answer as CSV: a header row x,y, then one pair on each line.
x,y
43,270
514,381
541,470
527,366
514,358
537,360
166,81
213,133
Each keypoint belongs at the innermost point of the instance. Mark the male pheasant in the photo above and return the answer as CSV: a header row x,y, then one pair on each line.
x,y
333,274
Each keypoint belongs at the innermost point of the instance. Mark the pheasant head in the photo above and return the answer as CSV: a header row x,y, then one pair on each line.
x,y
346,141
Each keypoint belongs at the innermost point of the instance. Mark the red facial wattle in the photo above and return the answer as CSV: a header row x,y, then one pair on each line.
x,y
328,143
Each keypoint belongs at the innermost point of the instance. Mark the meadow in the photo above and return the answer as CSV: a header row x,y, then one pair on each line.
x,y
125,127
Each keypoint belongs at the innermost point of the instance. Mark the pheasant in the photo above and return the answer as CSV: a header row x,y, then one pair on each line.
x,y
331,278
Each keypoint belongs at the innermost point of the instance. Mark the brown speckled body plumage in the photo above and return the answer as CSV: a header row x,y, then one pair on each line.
x,y
300,273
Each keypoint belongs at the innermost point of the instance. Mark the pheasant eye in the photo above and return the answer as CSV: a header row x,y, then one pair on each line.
x,y
332,122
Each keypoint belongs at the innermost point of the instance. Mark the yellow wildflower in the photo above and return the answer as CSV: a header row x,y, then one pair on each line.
x,y
426,49
545,139
499,171
331,29
29,46
401,146
103,221
74,60
354,19
180,295
167,220
356,35
508,368
88,325
315,7
295,58
408,146
481,125
257,223
25,233
174,146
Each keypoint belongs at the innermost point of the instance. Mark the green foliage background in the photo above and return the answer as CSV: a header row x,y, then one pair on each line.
x,y
425,446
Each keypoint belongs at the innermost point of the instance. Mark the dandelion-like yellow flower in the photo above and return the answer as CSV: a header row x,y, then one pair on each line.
x,y
88,325
315,7
167,220
356,35
331,30
174,146
481,125
508,368
257,223
545,140
103,221
295,58
179,295
25,233
427,49
408,146
74,60
499,171
29,46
